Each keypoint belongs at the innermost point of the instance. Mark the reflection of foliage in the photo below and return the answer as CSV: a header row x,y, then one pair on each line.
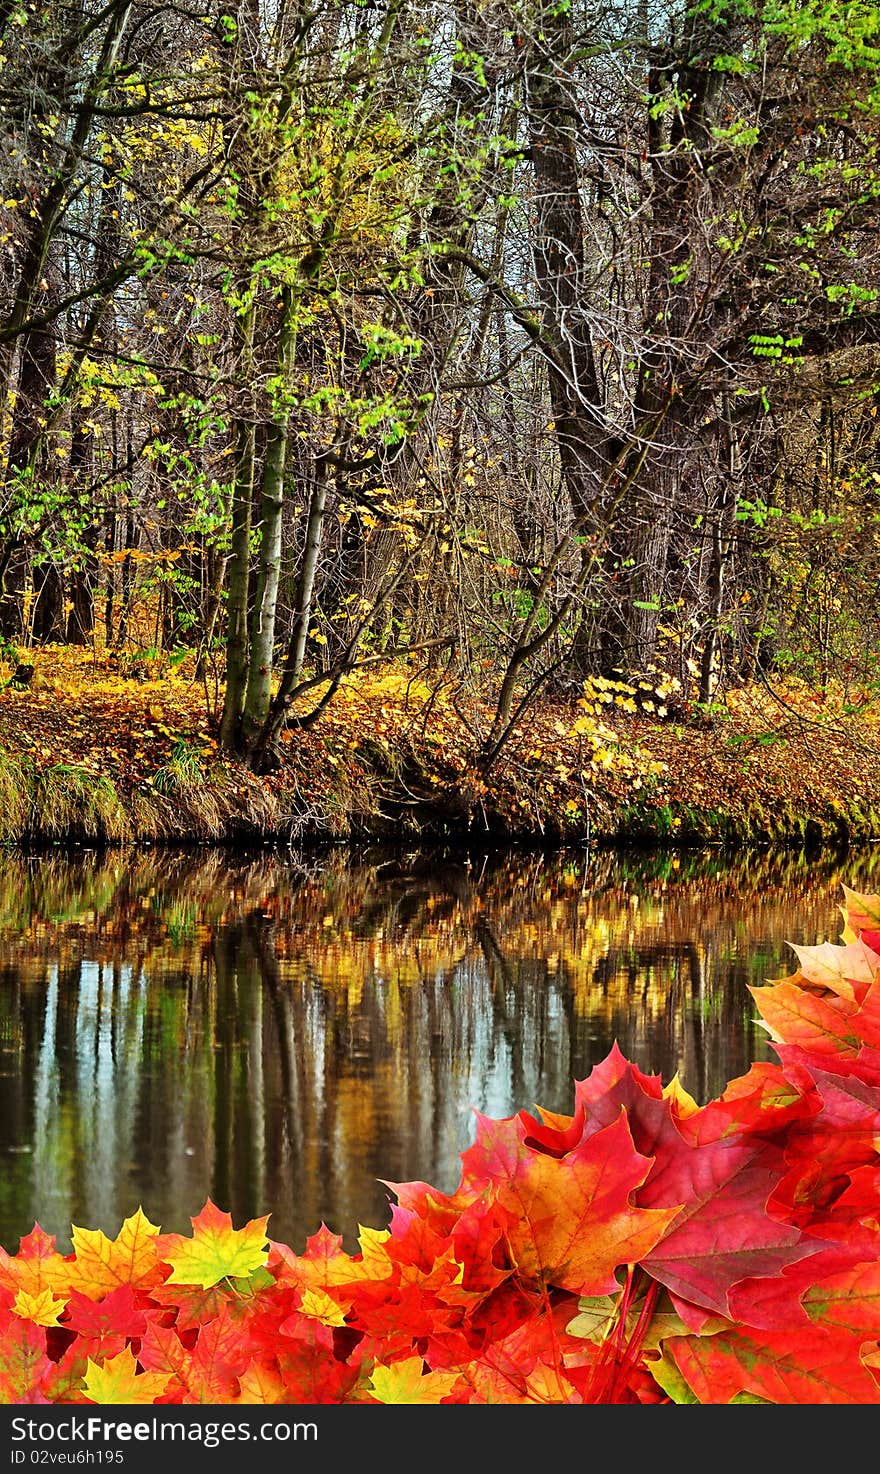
x,y
181,924
642,1250
242,1011
345,913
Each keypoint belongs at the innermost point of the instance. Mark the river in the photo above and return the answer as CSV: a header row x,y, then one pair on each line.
x,y
285,1033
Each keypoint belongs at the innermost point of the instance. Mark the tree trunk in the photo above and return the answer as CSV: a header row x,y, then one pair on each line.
x,y
586,448
239,565
302,612
262,640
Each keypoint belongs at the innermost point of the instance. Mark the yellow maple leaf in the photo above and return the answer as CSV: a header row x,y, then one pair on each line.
x,y
42,1308
374,1261
322,1307
101,1264
216,1250
405,1381
117,1379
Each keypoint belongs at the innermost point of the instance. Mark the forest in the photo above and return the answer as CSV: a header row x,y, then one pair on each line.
x,y
509,359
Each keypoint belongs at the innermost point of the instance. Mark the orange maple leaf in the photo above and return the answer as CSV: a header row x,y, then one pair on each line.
x,y
820,1024
260,1384
571,1222
326,1274
36,1267
101,1264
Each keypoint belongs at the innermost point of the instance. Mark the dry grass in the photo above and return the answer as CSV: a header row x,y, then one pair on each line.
x,y
16,797
185,801
75,803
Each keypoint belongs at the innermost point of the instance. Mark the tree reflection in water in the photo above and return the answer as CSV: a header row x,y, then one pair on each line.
x,y
281,1033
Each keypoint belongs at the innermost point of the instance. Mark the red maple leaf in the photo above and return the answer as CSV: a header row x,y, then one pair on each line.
x,y
788,1367
119,1313
23,1359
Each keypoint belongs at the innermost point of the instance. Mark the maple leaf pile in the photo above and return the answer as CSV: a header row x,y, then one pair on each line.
x,y
644,1249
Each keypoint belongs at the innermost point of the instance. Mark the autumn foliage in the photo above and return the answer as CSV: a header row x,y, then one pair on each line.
x,y
643,1249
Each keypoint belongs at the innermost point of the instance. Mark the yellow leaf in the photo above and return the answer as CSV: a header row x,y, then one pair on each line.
x,y
322,1307
583,724
683,1103
41,1308
117,1380
405,1381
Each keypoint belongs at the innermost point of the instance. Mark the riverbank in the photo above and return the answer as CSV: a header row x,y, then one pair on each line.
x,y
90,754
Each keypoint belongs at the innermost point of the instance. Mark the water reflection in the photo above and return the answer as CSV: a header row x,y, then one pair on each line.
x,y
283,1033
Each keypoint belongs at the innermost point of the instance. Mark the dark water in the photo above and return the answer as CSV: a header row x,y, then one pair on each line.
x,y
282,1034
